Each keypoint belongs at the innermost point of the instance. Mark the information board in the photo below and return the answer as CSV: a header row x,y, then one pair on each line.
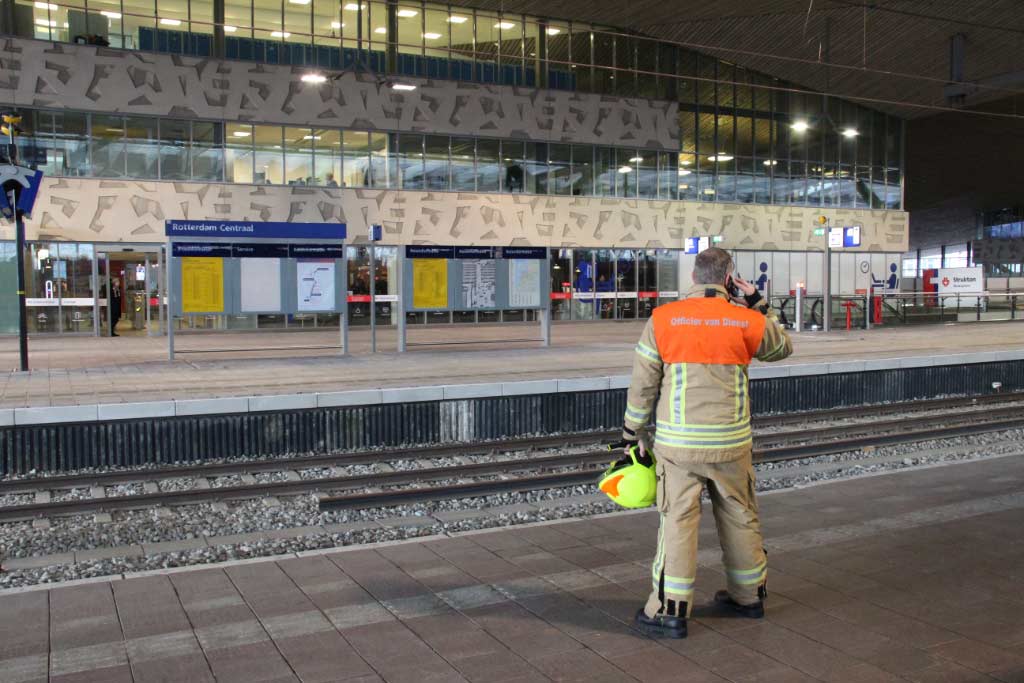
x,y
315,281
202,284
429,283
261,284
479,283
524,283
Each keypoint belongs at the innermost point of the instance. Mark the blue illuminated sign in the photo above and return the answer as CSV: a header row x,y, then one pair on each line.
x,y
695,245
428,251
474,252
255,230
27,181
523,252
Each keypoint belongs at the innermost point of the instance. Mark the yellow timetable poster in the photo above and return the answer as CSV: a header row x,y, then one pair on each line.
x,y
202,284
430,283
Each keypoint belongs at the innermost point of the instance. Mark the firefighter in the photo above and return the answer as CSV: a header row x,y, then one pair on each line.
x,y
690,373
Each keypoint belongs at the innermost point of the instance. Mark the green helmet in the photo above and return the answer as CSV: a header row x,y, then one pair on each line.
x,y
631,481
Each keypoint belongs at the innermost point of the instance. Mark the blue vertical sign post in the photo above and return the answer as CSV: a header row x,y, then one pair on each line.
x,y
19,186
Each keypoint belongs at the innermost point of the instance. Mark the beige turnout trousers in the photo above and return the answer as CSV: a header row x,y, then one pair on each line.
x,y
731,487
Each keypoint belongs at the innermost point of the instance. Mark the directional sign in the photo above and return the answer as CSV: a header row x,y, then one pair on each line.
x,y
26,181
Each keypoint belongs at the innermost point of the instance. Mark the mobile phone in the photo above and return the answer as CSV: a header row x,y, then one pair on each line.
x,y
730,286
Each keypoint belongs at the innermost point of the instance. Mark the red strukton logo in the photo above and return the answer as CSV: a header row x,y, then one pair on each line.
x,y
945,282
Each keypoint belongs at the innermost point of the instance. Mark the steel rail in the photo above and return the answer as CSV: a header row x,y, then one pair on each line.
x,y
82,480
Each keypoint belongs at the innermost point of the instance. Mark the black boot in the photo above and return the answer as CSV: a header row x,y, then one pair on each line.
x,y
661,625
754,611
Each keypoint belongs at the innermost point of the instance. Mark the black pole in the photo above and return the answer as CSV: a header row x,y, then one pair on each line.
x,y
19,222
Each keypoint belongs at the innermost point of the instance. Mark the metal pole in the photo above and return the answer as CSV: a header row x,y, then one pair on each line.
x,y
22,312
826,302
168,276
400,274
343,320
799,322
545,322
373,298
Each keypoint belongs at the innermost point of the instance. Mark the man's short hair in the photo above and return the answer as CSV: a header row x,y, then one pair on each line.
x,y
711,266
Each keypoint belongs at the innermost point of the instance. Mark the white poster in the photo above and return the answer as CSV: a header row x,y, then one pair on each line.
x,y
524,283
315,285
478,283
951,282
261,284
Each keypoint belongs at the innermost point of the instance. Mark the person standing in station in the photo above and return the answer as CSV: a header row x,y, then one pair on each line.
x,y
115,305
690,371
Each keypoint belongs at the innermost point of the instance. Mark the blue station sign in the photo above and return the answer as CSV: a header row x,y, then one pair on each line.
x,y
428,251
255,230
523,252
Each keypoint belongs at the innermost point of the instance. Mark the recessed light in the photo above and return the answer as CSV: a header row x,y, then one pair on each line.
x,y
46,22
111,15
47,5
686,162
230,29
313,78
403,86
456,19
720,157
406,13
354,7
115,130
504,25
337,24
280,34
431,36
709,190
380,29
636,160
299,2
552,31
241,133
850,132
625,169
800,126
170,22
310,137
684,171
770,162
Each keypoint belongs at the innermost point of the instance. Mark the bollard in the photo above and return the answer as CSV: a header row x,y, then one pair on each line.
x,y
849,306
799,317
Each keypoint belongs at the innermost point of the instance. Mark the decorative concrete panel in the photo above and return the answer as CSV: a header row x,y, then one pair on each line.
x,y
94,210
82,77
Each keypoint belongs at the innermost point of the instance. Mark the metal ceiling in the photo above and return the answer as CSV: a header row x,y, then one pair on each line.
x,y
892,53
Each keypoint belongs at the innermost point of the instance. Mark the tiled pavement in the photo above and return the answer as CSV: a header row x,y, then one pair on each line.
x,y
87,370
913,576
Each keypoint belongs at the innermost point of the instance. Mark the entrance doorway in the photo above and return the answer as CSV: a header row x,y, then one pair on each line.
x,y
133,300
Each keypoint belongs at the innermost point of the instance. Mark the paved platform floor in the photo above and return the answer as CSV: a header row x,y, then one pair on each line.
x,y
912,576
88,370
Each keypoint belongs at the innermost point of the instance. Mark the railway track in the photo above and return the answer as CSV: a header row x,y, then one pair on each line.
x,y
493,474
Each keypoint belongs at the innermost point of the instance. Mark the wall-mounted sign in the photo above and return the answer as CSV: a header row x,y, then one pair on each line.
x,y
474,252
841,237
201,249
695,245
254,229
428,251
540,253
140,273
259,250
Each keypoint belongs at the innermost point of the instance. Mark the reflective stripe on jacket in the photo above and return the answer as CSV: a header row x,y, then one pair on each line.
x,y
690,371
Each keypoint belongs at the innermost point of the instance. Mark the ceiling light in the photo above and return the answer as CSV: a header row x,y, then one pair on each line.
x,y
406,13
625,169
380,29
313,78
403,86
115,130
170,22
770,162
230,29
685,162
709,190
45,22
310,137
337,24
720,157
431,36
552,31
111,15
300,2
684,171
504,25
850,132
683,186
353,7
456,19
800,126
636,160
280,34
47,5
241,133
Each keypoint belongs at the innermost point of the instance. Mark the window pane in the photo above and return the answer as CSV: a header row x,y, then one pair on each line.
x,y
267,15
606,172
488,165
298,157
435,36
71,144
174,150
463,45
582,170
357,159
383,171
410,38
239,156
108,154
463,171
327,157
269,155
626,172
647,180
668,175
410,161
557,39
327,28
298,25
437,162
512,158
559,175
207,151
536,168
237,25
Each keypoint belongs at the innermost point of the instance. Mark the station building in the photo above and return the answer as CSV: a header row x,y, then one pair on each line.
x,y
446,125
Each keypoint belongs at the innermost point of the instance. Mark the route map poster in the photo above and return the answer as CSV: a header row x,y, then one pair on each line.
x,y
202,284
479,282
315,281
261,284
524,283
430,283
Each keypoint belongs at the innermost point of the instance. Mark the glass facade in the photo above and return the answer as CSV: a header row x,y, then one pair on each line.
x,y
75,144
745,137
